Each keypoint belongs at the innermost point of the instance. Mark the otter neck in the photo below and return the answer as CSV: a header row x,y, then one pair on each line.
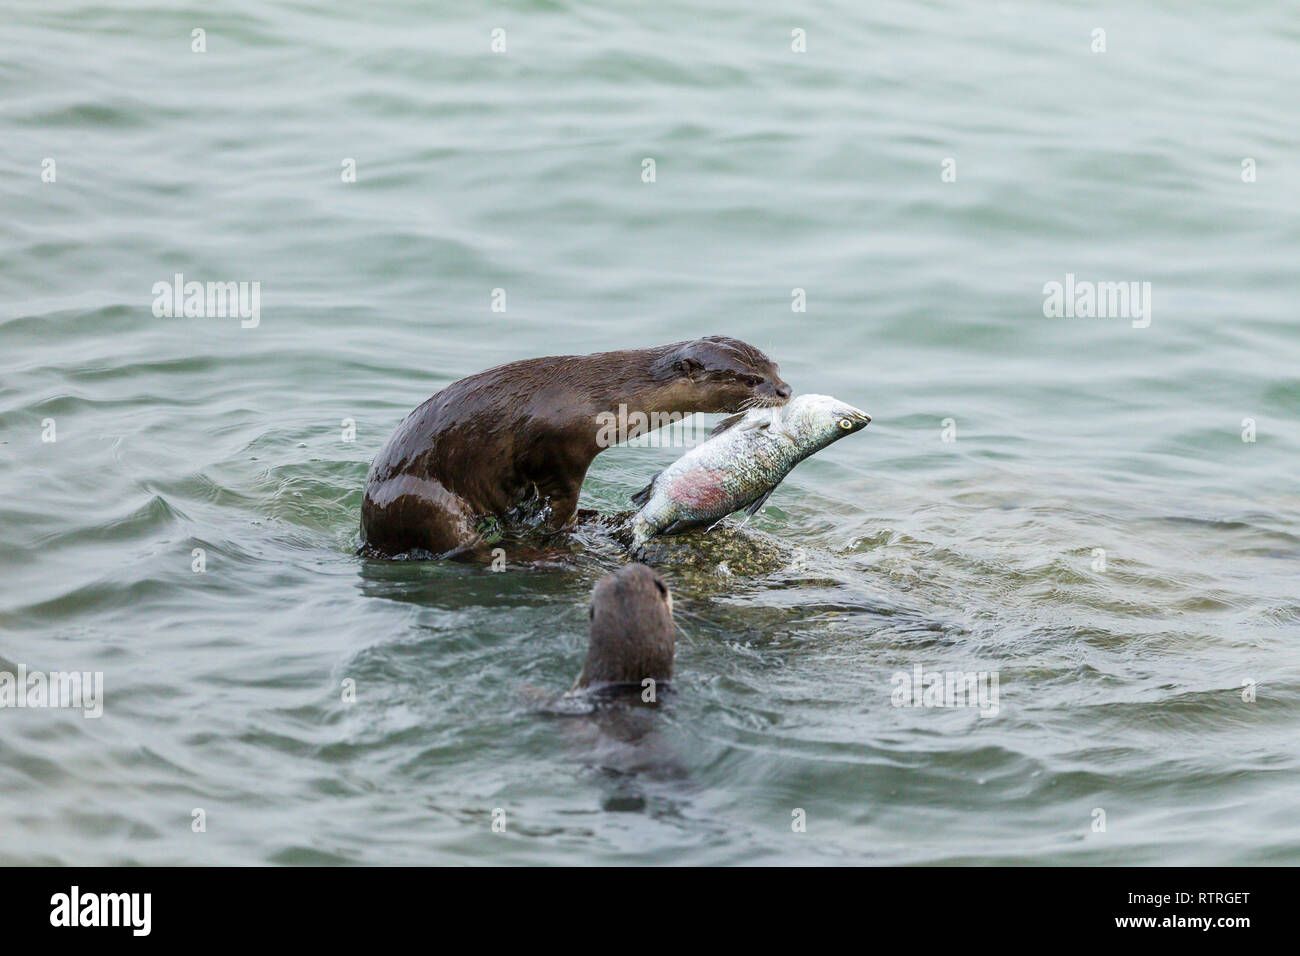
x,y
638,407
656,399
635,412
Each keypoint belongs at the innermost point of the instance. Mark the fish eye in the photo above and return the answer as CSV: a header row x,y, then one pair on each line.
x,y
845,423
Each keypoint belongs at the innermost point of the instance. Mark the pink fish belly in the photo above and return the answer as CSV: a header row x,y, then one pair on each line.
x,y
701,490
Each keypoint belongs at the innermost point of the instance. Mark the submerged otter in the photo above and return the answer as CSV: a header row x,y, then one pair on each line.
x,y
487,443
631,631
630,649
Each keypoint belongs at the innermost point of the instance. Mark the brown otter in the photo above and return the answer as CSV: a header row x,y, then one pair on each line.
x,y
486,443
630,640
631,631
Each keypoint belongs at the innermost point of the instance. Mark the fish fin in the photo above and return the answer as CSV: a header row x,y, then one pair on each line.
x,y
760,501
678,526
726,423
642,496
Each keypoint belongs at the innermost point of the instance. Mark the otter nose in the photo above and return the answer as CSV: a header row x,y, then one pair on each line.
x,y
783,391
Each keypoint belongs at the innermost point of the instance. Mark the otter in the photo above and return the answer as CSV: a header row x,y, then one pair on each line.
x,y
630,640
631,635
486,444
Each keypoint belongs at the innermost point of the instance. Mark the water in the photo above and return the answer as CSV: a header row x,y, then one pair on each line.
x,y
1120,690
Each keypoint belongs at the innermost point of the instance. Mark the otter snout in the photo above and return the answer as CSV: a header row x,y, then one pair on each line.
x,y
768,393
781,390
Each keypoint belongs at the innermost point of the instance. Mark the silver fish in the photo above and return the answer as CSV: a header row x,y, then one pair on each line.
x,y
741,465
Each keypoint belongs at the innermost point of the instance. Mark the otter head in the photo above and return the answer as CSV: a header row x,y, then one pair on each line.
x,y
720,374
631,630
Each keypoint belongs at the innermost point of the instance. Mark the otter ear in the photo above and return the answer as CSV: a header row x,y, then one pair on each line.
x,y
687,365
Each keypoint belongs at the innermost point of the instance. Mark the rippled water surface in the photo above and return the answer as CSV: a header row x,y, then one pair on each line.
x,y
1121,689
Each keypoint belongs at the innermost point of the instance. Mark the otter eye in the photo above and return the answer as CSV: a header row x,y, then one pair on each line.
x,y
845,423
751,380
663,588
591,612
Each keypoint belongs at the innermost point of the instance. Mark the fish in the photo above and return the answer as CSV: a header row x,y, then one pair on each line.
x,y
741,464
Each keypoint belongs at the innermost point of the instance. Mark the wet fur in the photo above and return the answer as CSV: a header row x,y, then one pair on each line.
x,y
488,442
631,635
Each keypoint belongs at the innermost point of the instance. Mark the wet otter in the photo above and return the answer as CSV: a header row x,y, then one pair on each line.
x,y
630,641
487,443
631,637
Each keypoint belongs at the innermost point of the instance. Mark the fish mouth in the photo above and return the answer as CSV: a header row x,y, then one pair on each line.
x,y
857,416
858,421
850,421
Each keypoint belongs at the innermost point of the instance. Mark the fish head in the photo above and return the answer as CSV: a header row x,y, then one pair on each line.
x,y
721,374
814,421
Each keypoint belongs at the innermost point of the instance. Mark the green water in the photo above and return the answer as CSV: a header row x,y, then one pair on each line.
x,y
1120,689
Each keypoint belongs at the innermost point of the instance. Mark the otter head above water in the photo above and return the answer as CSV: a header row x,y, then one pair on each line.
x,y
720,374
631,636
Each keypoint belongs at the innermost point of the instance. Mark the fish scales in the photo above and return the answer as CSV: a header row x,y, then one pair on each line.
x,y
739,467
